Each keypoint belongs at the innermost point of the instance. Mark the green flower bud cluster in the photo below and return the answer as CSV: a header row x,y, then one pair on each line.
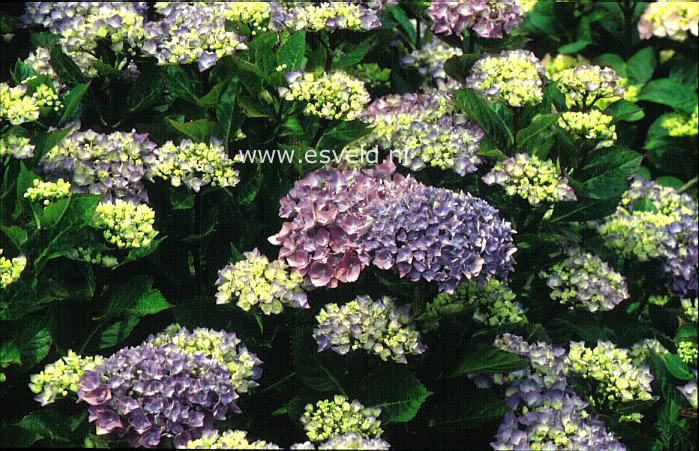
x,y
617,379
221,346
441,305
494,304
339,416
373,75
639,234
46,97
584,280
379,327
530,178
678,124
585,85
16,146
643,349
253,14
256,281
125,225
688,351
659,300
11,269
212,439
16,106
195,164
60,378
689,306
561,62
592,125
47,192
88,255
513,76
329,96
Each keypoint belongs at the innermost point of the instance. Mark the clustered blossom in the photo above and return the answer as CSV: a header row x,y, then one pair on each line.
x,y
190,33
429,62
340,416
653,221
689,390
149,394
544,358
11,269
379,327
690,309
486,18
46,97
328,16
254,15
494,303
331,96
530,178
91,256
222,347
617,379
60,378
256,281
212,439
48,192
584,280
16,105
550,416
352,440
341,221
643,349
425,130
561,62
195,164
513,76
15,146
593,125
678,124
82,25
111,166
672,19
125,225
688,352
587,84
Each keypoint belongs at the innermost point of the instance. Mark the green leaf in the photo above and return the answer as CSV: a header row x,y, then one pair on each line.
x,y
678,368
640,67
16,234
47,142
135,297
405,23
614,61
46,425
181,83
487,359
117,332
211,99
621,110
142,252
540,123
66,69
669,92
147,90
292,52
610,173
397,392
22,71
71,101
317,371
672,182
226,111
181,199
247,192
574,47
197,130
342,134
470,409
30,345
355,56
458,67
54,212
481,113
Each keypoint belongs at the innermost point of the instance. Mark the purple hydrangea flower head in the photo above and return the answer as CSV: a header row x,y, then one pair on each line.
x,y
682,256
486,18
152,394
354,441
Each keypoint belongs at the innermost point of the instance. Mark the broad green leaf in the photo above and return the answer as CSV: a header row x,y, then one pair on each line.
x,y
292,52
574,47
197,130
147,90
181,199
316,370
142,252
226,110
345,132
46,424
469,409
150,304
117,332
486,359
458,67
54,212
397,392
483,115
47,142
134,297
211,98
540,123
22,71
640,67
71,101
670,93
29,346
16,234
66,69
247,191
181,83
678,368
614,61
672,182
355,56
404,21
621,110
610,173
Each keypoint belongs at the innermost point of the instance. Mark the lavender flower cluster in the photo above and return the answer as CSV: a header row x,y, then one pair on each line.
x,y
341,221
587,84
584,280
111,166
425,129
429,62
151,394
380,327
488,19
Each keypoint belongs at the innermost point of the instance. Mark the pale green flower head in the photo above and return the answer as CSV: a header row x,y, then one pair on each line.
x,y
334,96
125,225
340,416
593,125
47,192
11,269
60,379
